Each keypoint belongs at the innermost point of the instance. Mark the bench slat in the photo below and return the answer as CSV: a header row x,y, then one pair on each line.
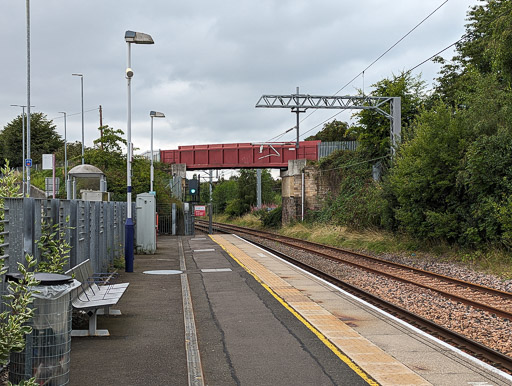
x,y
93,297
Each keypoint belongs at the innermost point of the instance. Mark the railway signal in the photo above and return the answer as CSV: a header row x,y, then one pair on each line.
x,y
193,190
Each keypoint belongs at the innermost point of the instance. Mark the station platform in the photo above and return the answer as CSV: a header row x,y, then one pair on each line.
x,y
217,310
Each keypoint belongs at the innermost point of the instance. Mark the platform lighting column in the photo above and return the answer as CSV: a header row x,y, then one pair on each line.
x,y
28,95
23,188
65,156
82,97
153,114
137,38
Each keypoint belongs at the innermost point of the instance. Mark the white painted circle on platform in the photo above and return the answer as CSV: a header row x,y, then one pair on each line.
x,y
163,272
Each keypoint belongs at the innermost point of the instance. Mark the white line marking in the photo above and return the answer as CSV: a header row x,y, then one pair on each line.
x,y
416,330
216,270
195,370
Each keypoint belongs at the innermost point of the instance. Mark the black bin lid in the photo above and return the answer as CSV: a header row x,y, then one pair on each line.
x,y
43,277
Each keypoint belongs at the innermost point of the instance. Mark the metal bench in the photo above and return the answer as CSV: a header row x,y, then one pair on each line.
x,y
95,296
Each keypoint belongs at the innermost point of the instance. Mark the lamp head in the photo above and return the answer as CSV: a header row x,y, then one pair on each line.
x,y
129,73
156,114
138,38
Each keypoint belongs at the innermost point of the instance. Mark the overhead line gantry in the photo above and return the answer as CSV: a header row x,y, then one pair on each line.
x,y
299,103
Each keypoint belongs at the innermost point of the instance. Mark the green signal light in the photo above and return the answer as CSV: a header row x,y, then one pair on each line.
x,y
192,191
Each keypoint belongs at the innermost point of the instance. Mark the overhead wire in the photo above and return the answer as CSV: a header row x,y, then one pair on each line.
x,y
370,65
411,69
70,115
383,54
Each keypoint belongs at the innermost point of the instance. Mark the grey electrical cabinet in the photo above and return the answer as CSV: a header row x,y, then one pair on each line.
x,y
146,223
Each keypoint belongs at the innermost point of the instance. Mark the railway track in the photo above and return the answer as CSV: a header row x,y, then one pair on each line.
x,y
484,298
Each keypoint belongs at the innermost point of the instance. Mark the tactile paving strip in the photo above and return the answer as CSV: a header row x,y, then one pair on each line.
x,y
344,341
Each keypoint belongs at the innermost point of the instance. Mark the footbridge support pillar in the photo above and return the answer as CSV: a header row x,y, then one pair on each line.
x,y
302,187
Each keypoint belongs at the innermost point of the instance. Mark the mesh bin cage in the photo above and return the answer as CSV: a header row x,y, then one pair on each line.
x,y
47,348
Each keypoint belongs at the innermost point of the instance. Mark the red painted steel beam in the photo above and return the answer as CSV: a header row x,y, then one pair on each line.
x,y
239,155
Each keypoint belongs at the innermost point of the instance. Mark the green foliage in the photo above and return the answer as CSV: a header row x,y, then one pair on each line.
x,y
332,132
8,188
13,321
273,219
29,382
8,183
486,49
489,43
237,207
44,139
54,248
108,157
424,176
246,192
224,192
373,128
357,200
487,183
13,327
74,155
237,196
204,191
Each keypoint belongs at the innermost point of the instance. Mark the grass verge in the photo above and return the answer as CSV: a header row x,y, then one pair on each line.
x,y
493,260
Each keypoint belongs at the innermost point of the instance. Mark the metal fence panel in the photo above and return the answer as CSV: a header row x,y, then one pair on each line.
x,y
14,232
94,230
326,148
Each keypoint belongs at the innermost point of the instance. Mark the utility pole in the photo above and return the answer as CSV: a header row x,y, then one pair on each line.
x,y
258,188
101,128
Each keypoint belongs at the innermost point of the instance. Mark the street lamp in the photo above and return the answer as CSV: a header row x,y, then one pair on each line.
x,y
27,6
82,93
153,114
23,145
137,38
68,193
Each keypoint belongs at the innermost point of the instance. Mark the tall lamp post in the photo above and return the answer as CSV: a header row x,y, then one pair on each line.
x,y
68,196
27,6
23,189
153,114
137,38
82,94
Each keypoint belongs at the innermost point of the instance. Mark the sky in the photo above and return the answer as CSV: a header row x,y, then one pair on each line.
x,y
211,61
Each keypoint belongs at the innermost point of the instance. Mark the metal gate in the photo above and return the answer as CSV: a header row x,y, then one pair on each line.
x,y
164,219
164,213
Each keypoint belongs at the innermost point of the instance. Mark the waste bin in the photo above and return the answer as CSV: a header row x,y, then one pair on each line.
x,y
47,349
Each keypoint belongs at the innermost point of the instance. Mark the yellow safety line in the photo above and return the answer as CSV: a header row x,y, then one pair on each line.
x,y
312,328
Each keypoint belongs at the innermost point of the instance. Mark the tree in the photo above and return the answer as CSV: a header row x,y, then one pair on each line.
x,y
223,192
332,132
246,192
112,162
486,48
74,154
373,128
486,181
43,139
424,177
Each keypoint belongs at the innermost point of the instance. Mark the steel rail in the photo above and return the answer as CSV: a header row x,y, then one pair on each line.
x,y
419,273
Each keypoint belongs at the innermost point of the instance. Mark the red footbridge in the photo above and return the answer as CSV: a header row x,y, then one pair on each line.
x,y
240,155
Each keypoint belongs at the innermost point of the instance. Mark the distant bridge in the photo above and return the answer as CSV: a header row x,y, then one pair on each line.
x,y
240,155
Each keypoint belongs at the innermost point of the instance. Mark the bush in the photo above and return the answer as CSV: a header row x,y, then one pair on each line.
x,y
357,200
274,218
